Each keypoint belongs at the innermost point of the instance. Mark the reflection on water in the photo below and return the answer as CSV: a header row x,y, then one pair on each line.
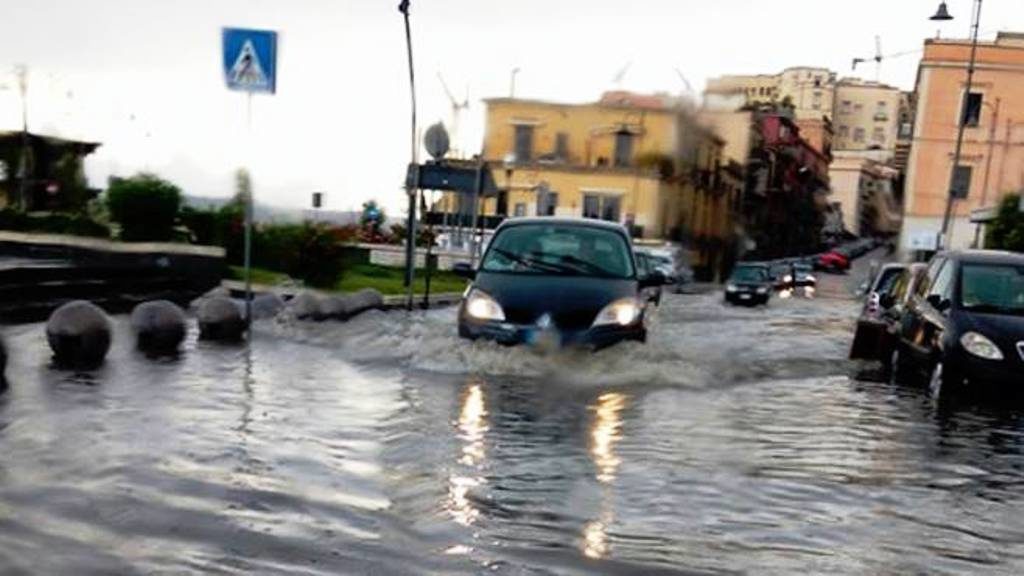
x,y
472,426
606,432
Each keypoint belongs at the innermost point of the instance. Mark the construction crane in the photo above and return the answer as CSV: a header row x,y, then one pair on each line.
x,y
621,74
879,57
457,108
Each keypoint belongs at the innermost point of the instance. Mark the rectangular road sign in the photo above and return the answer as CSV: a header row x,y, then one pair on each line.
x,y
250,59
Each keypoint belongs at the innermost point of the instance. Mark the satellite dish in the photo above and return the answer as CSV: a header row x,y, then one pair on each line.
x,y
436,141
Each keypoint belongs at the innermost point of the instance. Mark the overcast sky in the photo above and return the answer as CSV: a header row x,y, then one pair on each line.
x,y
144,76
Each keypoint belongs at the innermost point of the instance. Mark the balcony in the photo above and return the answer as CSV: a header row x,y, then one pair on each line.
x,y
881,117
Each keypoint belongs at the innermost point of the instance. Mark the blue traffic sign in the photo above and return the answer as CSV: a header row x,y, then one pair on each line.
x,y
250,59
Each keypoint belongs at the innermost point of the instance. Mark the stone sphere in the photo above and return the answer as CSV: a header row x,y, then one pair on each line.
x,y
159,325
363,300
306,306
266,305
79,334
220,319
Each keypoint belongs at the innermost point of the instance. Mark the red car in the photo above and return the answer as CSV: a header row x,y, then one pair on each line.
x,y
833,261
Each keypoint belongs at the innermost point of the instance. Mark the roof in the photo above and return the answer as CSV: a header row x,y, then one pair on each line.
x,y
55,141
570,220
986,257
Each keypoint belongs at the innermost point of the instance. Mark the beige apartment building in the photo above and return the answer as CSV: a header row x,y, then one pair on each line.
x,y
992,159
863,191
866,117
810,90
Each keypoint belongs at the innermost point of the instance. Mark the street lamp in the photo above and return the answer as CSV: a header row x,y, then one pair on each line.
x,y
943,15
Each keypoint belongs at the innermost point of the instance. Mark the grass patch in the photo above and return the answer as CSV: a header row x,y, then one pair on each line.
x,y
383,278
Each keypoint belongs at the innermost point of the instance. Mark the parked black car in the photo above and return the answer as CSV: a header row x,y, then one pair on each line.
x,y
749,283
964,324
884,302
570,281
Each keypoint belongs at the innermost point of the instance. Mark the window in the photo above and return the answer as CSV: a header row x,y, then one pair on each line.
x,y
878,135
844,131
524,143
858,107
602,207
519,210
858,135
961,186
562,146
623,148
942,286
547,202
992,288
816,103
906,129
568,249
845,106
972,109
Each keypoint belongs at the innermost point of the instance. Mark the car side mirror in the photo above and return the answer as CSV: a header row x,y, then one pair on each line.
x,y
655,278
938,302
464,270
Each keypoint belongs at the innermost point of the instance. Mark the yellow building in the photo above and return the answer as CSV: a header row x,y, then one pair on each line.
x,y
639,160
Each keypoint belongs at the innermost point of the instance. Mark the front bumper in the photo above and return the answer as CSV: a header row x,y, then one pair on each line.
x,y
746,297
998,375
515,334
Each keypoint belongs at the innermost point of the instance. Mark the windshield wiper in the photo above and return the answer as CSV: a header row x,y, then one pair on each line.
x,y
528,262
589,266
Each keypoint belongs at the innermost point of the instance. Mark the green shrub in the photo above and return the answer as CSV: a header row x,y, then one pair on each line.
x,y
145,206
305,251
1007,231
56,223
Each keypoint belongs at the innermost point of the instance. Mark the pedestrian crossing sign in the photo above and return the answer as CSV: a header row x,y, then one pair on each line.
x,y
250,59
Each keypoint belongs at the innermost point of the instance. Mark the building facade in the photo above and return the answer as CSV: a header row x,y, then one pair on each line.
x,y
809,91
992,158
866,117
785,179
863,190
641,160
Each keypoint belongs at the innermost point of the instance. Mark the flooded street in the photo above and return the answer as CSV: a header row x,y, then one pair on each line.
x,y
737,440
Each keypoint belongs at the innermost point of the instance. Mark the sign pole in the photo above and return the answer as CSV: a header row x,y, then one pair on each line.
x,y
411,191
248,219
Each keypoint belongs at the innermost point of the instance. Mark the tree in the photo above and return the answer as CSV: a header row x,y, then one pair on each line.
x,y
1007,231
145,206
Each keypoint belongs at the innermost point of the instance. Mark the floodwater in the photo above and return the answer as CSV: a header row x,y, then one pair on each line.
x,y
737,440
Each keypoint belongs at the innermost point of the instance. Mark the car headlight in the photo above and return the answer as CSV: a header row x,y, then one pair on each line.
x,y
762,290
481,306
787,278
619,313
731,288
980,346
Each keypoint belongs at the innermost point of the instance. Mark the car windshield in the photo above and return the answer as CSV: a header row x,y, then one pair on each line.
x,y
559,249
887,279
996,289
748,274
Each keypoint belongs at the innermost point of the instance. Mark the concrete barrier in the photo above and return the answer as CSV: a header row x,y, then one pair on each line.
x,y
159,325
79,334
306,305
3,366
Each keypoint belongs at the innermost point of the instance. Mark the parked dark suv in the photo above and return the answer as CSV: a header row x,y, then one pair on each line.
x,y
964,325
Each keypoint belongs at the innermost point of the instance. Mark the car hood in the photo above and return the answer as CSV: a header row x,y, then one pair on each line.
x,y
571,301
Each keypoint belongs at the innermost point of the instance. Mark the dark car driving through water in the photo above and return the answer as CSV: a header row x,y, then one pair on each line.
x,y
568,281
749,283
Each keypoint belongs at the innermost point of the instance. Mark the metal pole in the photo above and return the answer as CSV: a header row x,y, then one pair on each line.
x,y
476,211
23,181
248,222
410,228
950,199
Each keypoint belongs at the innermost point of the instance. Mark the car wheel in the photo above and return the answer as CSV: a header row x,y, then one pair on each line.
x,y
897,368
943,384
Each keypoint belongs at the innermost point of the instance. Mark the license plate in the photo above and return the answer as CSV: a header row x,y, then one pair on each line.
x,y
744,296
